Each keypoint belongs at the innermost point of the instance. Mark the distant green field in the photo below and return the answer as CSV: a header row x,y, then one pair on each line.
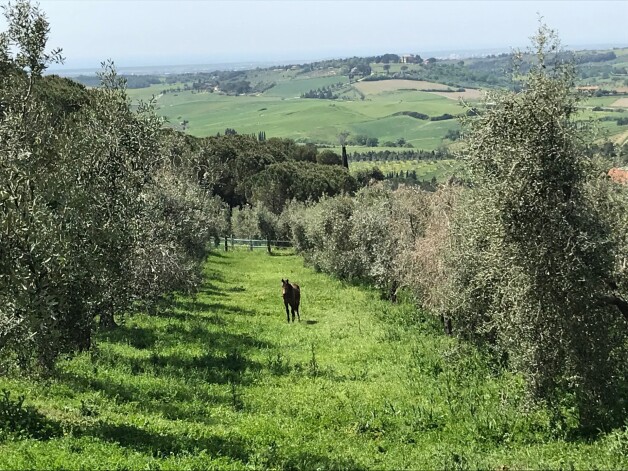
x,y
321,121
312,120
281,112
603,101
605,128
294,88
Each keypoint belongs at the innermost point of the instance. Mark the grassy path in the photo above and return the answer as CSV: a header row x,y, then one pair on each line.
x,y
222,381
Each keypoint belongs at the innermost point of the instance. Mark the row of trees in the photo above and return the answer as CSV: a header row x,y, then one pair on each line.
x,y
96,217
453,74
132,81
231,82
528,262
324,93
396,155
103,211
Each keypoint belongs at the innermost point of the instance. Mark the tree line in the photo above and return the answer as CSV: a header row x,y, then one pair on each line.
x,y
324,93
401,155
105,212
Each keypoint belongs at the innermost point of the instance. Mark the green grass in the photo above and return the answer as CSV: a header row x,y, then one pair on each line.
x,y
603,101
294,88
223,382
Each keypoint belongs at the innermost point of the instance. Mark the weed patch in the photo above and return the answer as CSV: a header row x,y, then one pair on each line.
x,y
18,421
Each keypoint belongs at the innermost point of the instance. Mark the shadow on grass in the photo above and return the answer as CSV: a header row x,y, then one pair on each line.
x,y
223,361
197,331
162,445
23,422
187,404
138,337
307,460
188,309
210,289
122,391
211,368
194,307
183,316
236,289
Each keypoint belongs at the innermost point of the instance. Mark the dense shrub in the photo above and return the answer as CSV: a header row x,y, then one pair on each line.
x,y
327,230
328,157
256,222
18,421
421,224
278,183
178,220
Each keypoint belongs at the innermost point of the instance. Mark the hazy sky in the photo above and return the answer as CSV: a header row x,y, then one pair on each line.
x,y
157,32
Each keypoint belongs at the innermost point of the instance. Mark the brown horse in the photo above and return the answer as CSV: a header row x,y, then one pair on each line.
x,y
291,296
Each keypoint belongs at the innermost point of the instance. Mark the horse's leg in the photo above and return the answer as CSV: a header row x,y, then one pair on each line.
x,y
292,309
287,312
298,315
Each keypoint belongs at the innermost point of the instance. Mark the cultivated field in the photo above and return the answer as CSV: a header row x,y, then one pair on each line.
x,y
622,102
311,120
620,139
469,95
373,88
381,86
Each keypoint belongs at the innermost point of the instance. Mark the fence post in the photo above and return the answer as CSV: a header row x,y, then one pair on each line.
x,y
251,246
231,241
226,245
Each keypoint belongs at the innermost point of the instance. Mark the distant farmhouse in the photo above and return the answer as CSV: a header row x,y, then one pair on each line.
x,y
410,59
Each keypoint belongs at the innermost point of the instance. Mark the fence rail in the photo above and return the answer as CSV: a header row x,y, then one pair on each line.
x,y
256,243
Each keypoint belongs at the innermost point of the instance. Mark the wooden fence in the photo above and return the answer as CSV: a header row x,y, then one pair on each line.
x,y
252,244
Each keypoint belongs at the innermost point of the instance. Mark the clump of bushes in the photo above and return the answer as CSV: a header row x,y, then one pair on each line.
x,y
378,237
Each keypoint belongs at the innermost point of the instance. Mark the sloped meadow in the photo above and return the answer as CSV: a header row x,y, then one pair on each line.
x,y
221,381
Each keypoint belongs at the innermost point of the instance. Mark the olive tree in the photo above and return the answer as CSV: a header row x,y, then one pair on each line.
x,y
33,257
99,213
532,259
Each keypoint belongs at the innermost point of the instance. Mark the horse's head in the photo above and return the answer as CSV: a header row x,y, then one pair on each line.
x,y
285,286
